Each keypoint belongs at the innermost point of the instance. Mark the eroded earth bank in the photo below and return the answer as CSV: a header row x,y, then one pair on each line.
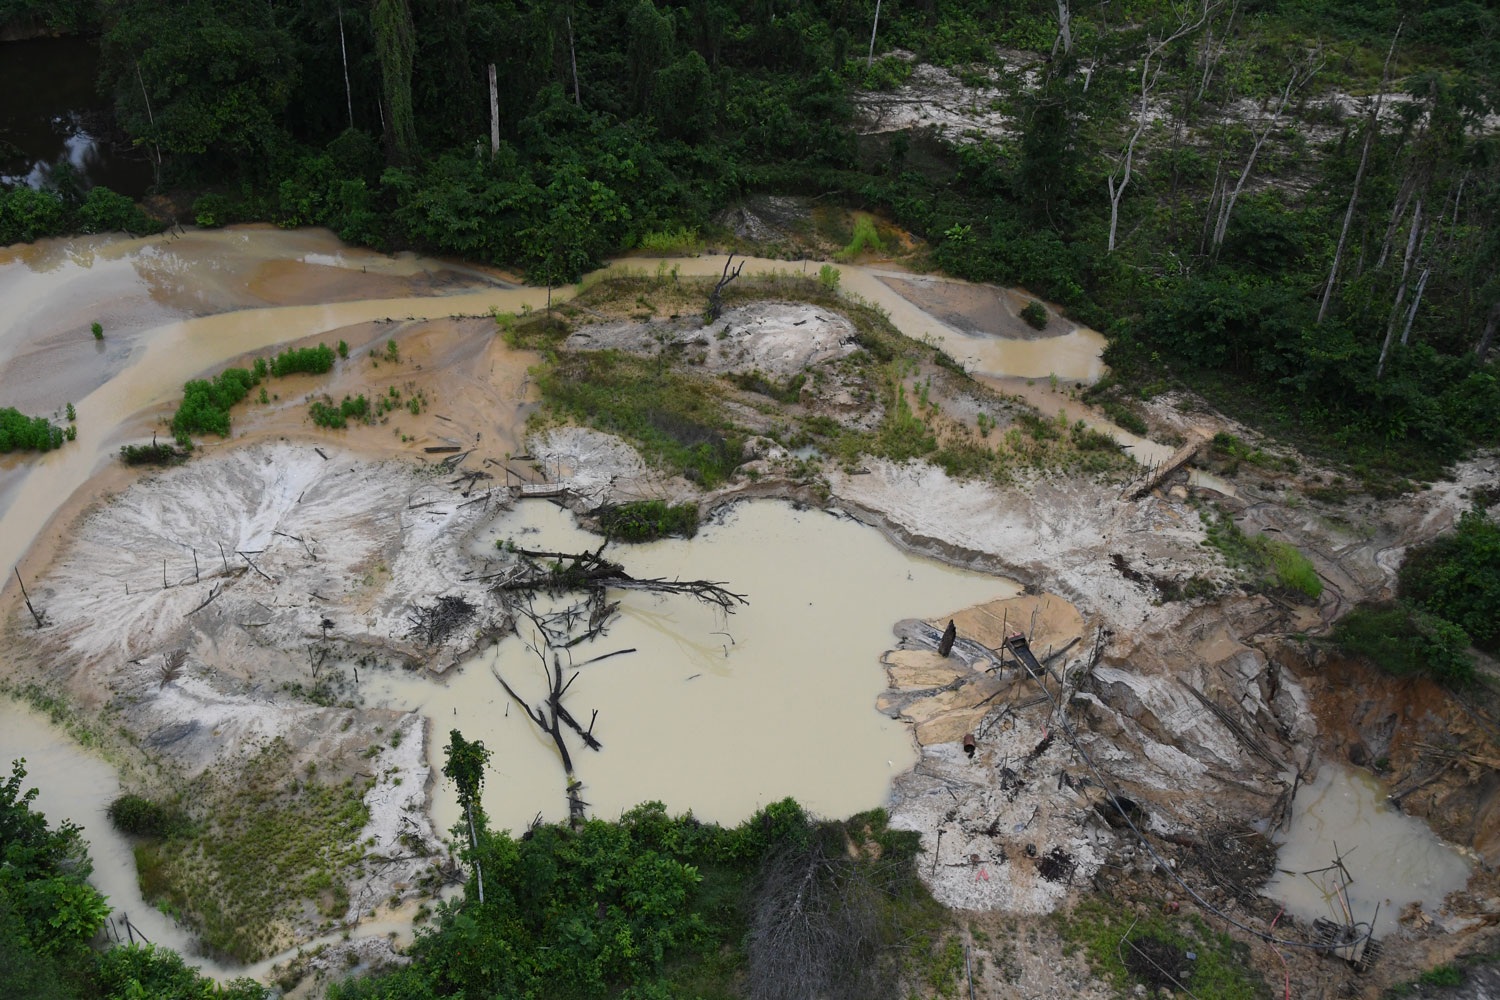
x,y
277,635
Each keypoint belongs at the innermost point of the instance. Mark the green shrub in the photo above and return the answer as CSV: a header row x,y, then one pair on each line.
x,y
98,330
105,211
26,215
647,520
150,454
681,240
1292,569
1457,577
140,817
1035,315
213,210
325,415
19,432
1404,640
828,277
310,360
865,238
343,349
205,404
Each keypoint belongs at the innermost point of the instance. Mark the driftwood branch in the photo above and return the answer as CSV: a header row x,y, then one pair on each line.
x,y
41,620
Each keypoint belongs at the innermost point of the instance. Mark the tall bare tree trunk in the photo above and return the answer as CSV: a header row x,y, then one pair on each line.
x,y
1416,300
573,57
1148,81
155,167
1064,30
474,845
1227,208
494,112
1411,250
1482,349
344,51
870,60
1364,156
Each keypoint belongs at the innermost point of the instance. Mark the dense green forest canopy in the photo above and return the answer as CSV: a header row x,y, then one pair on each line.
x,y
1178,176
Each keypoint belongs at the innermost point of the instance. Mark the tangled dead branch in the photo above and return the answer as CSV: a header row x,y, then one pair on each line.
x,y
435,623
558,573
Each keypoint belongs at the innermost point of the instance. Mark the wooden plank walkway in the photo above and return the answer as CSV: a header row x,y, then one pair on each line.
x,y
1158,475
529,490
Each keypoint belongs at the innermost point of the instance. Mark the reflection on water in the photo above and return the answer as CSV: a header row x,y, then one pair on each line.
x,y
717,715
53,124
1394,859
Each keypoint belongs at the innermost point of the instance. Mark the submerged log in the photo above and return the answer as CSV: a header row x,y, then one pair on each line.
x,y
945,645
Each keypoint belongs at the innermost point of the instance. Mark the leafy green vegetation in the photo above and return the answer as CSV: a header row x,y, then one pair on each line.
x,y
1126,949
337,417
865,237
657,906
1457,577
1035,315
150,454
311,360
98,330
682,240
206,402
141,817
1274,561
648,520
1403,640
49,914
1450,596
634,124
19,432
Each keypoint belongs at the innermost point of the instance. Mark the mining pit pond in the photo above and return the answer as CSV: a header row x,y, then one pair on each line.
x,y
1394,859
714,713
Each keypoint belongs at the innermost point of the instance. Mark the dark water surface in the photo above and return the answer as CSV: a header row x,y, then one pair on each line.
x,y
51,114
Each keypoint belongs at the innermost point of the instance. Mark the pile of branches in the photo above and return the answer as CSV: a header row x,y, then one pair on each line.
x,y
434,624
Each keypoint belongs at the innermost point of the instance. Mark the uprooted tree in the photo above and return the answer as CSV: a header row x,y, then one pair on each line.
x,y
578,583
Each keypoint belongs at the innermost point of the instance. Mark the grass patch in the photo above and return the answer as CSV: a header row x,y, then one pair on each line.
x,y
865,237
1274,562
1221,970
647,520
151,454
682,240
677,420
789,392
257,855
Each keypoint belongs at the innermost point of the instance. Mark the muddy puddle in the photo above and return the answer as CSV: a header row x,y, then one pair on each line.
x,y
715,715
1394,859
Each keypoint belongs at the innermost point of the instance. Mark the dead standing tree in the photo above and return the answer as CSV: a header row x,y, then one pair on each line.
x,y
1299,78
716,297
559,574
1119,178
